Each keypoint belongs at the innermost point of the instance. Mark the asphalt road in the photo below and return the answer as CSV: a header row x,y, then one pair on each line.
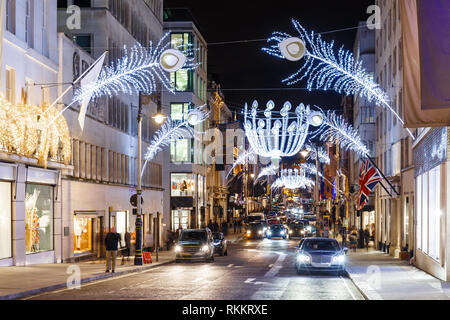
x,y
253,270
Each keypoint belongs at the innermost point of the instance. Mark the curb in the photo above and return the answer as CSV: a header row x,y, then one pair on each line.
x,y
356,285
19,295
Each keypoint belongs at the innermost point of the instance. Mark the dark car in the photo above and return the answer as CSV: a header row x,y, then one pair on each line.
x,y
297,230
195,244
255,230
277,231
320,254
220,244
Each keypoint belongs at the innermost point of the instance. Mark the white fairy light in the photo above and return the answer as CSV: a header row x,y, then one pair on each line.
x,y
277,137
267,171
317,151
325,70
244,157
293,179
173,130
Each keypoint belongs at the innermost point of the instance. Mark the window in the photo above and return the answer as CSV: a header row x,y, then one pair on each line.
x,y
38,218
29,23
5,220
10,84
82,3
45,50
11,16
182,185
181,41
180,150
83,41
182,80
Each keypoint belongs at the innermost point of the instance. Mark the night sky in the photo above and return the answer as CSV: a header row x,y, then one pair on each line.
x,y
243,66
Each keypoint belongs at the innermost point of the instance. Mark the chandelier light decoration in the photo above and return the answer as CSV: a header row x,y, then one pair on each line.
x,y
293,179
326,70
276,134
174,130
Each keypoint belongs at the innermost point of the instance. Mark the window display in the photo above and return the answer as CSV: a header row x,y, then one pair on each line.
x,y
180,218
82,234
5,220
182,185
38,218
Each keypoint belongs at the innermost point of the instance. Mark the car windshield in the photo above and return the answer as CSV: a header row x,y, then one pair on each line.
x,y
320,245
193,236
217,236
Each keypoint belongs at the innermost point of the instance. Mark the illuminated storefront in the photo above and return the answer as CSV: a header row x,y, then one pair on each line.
x,y
82,234
5,220
182,185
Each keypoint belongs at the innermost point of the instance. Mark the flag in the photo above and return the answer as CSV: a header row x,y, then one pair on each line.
x,y
89,78
367,182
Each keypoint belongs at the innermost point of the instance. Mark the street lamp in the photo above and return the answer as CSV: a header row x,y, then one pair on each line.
x,y
159,117
304,153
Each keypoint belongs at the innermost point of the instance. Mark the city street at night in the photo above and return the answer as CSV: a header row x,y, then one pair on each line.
x,y
253,270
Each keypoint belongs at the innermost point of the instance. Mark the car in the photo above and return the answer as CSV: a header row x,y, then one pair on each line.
x,y
321,255
297,230
277,231
220,244
195,244
255,230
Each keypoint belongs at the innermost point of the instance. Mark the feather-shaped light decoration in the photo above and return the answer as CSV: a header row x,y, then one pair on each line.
x,y
338,131
315,151
244,157
174,130
326,70
267,171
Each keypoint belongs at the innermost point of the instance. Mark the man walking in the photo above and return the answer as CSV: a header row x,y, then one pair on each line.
x,y
112,240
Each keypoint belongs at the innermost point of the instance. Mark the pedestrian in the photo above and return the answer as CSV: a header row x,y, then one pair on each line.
x,y
234,225
127,247
240,225
112,241
224,228
210,226
170,239
353,238
216,226
367,237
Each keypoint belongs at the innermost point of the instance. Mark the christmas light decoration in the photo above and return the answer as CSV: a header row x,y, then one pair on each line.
x,y
315,151
174,130
137,72
293,179
244,157
337,131
22,133
273,135
267,171
326,70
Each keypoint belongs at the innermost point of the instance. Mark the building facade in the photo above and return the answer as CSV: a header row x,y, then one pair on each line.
x,y
393,209
96,192
185,169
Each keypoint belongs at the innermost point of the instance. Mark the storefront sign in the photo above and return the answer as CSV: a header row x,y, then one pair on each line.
x,y
6,171
43,176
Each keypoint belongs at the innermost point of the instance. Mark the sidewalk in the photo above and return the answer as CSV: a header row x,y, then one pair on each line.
x,y
23,281
19,282
382,277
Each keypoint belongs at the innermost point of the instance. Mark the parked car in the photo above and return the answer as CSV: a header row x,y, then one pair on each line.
x,y
255,230
220,244
320,254
277,231
195,244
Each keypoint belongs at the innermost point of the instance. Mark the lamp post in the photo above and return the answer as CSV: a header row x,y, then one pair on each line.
x,y
138,254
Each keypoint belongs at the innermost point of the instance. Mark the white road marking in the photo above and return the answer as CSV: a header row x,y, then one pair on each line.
x,y
249,280
277,266
348,289
230,265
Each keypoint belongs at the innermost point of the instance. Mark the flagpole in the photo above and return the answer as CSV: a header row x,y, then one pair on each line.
x,y
384,177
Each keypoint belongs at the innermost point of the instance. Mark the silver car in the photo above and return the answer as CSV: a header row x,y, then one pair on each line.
x,y
195,244
320,254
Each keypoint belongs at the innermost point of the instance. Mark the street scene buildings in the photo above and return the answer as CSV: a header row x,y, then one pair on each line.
x,y
65,183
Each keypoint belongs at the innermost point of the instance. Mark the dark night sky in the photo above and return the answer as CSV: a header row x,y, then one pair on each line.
x,y
244,65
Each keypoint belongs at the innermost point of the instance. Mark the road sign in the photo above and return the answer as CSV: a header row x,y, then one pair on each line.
x,y
133,200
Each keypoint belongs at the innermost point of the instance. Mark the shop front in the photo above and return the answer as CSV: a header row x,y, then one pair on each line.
x,y
6,176
87,234
182,195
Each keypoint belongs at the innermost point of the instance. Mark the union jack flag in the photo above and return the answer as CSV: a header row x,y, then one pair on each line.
x,y
367,182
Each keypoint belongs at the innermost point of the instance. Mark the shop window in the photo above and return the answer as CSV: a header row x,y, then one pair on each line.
x,y
5,220
182,185
82,237
39,218
121,225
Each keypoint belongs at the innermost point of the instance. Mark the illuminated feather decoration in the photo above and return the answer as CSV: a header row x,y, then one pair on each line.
x,y
326,70
174,130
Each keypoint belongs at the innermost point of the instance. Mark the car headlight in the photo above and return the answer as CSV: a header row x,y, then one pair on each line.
x,y
260,232
178,248
339,259
205,248
303,231
265,229
269,233
282,233
290,231
303,258
216,243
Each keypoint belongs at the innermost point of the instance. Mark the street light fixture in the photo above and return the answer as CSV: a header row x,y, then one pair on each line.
x,y
159,118
304,153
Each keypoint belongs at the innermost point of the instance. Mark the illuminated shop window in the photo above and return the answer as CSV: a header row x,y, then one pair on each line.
x,y
182,185
38,218
5,220
181,149
82,234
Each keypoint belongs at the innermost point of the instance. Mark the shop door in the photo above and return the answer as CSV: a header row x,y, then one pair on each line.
x,y
83,234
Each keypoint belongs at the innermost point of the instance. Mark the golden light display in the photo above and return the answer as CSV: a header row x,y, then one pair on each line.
x,y
21,132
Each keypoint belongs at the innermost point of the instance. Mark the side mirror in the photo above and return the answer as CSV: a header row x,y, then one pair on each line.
x,y
345,250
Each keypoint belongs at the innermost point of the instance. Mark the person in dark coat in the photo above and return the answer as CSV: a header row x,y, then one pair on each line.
x,y
216,226
127,245
112,241
235,226
240,225
366,238
210,226
224,227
